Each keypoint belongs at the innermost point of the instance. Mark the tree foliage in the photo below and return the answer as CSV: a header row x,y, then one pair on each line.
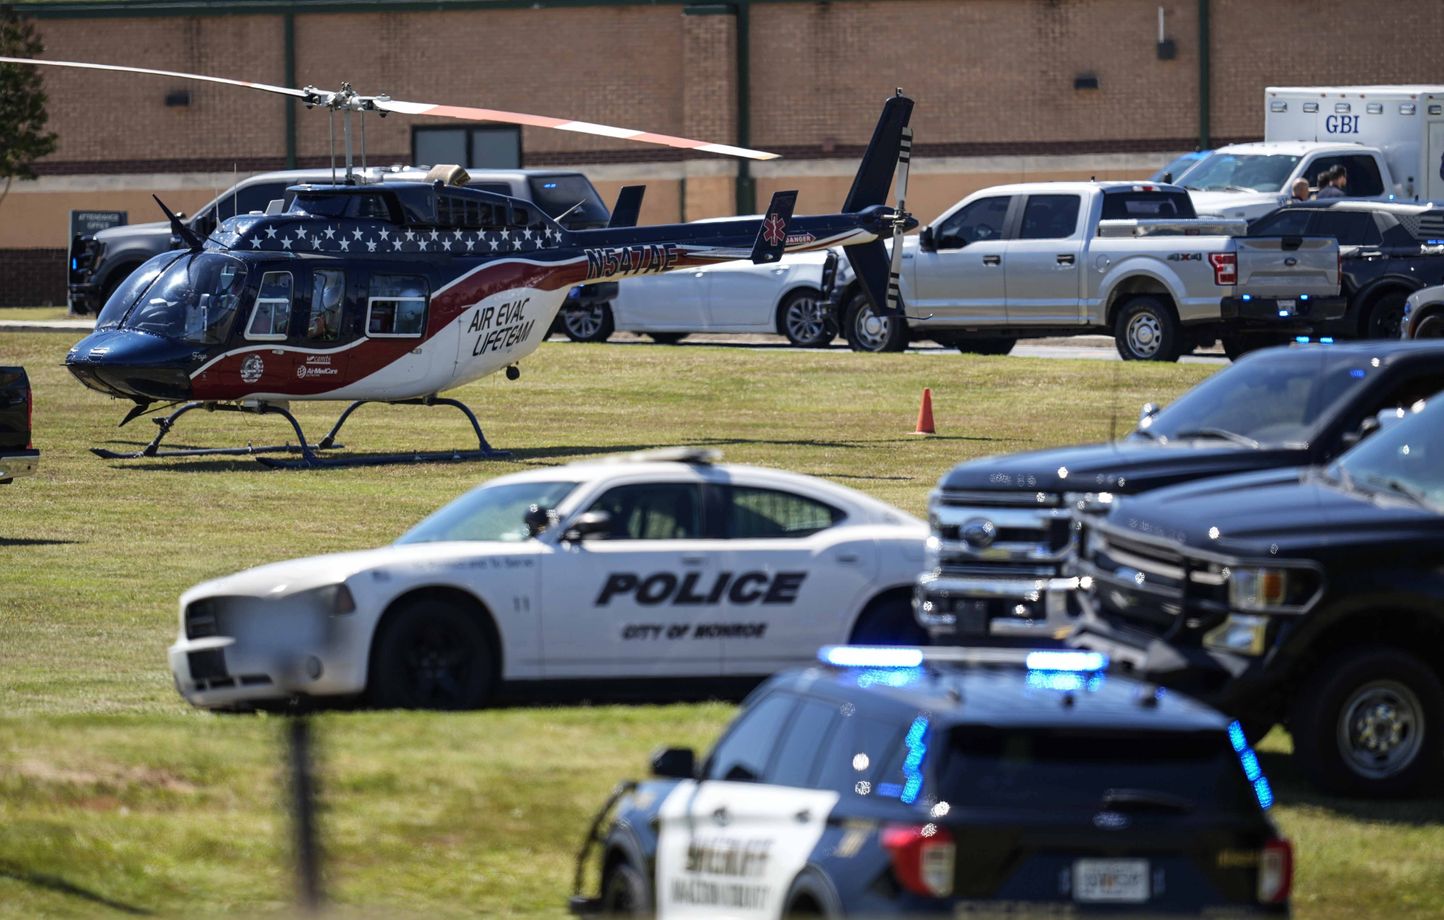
x,y
23,138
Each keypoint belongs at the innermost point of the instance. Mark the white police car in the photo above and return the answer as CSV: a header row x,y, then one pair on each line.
x,y
654,566
1001,782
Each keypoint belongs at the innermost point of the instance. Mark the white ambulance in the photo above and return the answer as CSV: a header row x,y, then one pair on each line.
x,y
1389,140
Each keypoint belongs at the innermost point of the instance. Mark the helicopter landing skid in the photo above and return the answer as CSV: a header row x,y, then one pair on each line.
x,y
309,459
166,424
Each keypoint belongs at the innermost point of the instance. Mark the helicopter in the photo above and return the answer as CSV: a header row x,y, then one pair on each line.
x,y
397,291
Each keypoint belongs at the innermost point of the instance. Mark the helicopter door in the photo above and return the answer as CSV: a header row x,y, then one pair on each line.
x,y
396,316
322,359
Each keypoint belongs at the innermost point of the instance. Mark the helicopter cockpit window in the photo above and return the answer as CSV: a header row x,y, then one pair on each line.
x,y
195,300
271,317
328,294
396,307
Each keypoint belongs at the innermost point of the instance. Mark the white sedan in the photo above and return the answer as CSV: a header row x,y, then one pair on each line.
x,y
639,567
782,297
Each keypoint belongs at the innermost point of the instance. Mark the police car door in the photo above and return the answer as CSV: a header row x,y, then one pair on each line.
x,y
732,844
627,603
795,578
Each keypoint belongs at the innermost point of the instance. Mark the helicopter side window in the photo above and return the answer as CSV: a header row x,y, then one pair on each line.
x,y
396,307
328,295
271,316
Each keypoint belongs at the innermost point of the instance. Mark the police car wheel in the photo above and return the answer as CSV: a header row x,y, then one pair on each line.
x,y
625,893
1147,330
1430,327
889,622
1368,723
867,330
431,654
1385,316
588,323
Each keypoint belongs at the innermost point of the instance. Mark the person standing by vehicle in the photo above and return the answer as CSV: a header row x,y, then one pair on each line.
x,y
1332,183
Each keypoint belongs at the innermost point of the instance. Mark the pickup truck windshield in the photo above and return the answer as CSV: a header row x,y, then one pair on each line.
x,y
195,300
1233,172
1275,399
489,513
556,194
1404,459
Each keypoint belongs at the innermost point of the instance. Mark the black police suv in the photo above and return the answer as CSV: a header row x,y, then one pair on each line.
x,y
892,782
1310,596
1001,526
1387,251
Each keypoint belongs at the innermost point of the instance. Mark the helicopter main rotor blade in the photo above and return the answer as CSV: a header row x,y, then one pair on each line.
x,y
466,113
286,91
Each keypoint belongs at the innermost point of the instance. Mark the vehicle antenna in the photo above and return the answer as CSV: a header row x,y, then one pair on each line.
x,y
363,142
333,144
1113,410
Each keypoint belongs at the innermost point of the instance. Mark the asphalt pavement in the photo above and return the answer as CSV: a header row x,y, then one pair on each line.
x,y
1092,347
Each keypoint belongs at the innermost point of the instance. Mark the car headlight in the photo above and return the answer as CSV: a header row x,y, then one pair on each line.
x,y
336,599
1270,588
1244,633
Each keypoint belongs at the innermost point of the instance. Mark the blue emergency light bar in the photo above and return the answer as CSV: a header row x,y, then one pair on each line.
x,y
899,656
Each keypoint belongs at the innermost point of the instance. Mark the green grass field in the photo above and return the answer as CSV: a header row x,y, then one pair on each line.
x,y
117,798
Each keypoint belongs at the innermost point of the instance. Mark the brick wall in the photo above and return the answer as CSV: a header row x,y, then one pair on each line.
x,y
32,277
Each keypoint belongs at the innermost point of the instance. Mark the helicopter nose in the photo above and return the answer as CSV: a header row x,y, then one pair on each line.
x,y
132,365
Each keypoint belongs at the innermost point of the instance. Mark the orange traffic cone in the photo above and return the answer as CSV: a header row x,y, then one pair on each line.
x,y
925,414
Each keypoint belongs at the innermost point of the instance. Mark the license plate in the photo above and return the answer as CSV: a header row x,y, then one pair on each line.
x,y
1286,306
1122,881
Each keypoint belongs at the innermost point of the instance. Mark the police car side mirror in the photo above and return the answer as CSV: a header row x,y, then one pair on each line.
x,y
674,763
926,241
590,524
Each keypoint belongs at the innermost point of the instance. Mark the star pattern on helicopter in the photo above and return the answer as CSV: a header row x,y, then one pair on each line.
x,y
339,238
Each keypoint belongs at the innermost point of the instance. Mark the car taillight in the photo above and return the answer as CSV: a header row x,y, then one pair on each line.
x,y
1225,267
923,858
1275,872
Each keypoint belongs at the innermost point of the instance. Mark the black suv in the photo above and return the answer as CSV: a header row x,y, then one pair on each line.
x,y
894,781
1310,596
1387,251
1001,526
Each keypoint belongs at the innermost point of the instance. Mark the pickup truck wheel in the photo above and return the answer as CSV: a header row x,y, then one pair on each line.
x,y
867,330
591,323
1146,330
804,318
625,893
1385,318
431,654
666,338
1368,723
1000,345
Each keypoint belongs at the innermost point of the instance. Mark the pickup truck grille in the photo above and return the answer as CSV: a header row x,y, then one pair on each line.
x,y
1153,587
1001,533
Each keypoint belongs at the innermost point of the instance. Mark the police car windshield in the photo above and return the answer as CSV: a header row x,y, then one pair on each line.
x,y
491,512
1066,770
1277,398
1222,172
195,300
1403,459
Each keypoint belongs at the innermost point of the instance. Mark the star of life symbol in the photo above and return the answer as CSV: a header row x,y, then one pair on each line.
x,y
774,229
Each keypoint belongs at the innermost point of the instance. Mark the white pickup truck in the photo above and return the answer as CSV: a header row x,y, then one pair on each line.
x,y
1069,258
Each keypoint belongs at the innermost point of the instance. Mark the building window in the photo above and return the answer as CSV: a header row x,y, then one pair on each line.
x,y
484,147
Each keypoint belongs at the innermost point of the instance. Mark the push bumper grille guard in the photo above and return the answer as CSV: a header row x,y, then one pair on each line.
x,y
578,903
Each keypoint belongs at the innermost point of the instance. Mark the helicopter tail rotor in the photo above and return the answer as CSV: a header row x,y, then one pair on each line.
x,y
887,156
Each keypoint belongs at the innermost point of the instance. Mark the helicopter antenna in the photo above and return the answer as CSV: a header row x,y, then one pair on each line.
x,y
562,216
235,192
363,143
333,146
